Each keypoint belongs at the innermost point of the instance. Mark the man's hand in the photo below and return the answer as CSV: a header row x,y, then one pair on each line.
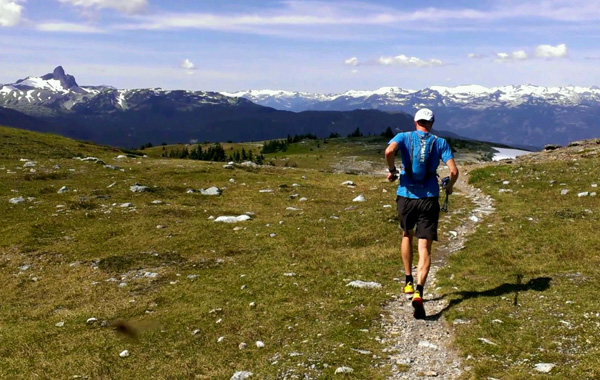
x,y
393,175
449,189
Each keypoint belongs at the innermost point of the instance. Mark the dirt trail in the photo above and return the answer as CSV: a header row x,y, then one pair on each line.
x,y
423,348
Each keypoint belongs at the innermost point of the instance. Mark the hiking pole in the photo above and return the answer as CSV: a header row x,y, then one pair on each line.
x,y
445,181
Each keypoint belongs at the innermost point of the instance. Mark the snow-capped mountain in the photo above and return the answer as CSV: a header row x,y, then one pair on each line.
x,y
56,103
526,114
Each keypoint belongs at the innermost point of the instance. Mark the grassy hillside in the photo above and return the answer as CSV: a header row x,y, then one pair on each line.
x,y
182,292
191,290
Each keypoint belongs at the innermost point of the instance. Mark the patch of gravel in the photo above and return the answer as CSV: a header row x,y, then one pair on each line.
x,y
423,348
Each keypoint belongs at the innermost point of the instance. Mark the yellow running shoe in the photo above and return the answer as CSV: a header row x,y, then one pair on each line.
x,y
417,304
409,288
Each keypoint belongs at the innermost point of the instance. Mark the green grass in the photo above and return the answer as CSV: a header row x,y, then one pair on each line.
x,y
76,255
534,265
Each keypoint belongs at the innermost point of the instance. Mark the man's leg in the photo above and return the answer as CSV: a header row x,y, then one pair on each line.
x,y
424,261
407,252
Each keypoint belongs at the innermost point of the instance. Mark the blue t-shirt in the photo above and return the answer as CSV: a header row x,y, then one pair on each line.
x,y
409,186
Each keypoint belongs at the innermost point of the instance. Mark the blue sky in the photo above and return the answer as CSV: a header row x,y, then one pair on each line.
x,y
314,46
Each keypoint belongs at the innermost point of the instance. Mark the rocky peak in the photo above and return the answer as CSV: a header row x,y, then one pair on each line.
x,y
67,81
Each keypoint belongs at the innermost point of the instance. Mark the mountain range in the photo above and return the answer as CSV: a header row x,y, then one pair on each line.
x,y
128,118
521,115
524,116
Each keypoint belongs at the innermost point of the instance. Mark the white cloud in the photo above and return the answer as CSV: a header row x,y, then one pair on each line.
x,y
519,55
67,27
549,51
125,6
351,61
476,56
402,60
10,12
188,66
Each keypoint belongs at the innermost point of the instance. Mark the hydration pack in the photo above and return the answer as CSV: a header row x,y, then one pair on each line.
x,y
418,167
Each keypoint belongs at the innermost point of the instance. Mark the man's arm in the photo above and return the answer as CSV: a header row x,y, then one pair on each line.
x,y
390,157
453,175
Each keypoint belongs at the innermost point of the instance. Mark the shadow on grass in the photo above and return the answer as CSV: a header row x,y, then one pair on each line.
x,y
538,284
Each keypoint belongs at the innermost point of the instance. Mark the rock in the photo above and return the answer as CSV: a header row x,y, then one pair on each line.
x,y
220,339
157,202
364,285
232,180
228,166
260,344
241,375
303,199
121,156
91,321
249,164
362,352
577,143
160,227
242,346
16,200
29,164
196,332
114,167
272,235
136,188
551,147
252,304
506,182
265,191
60,324
343,370
583,194
232,219
427,344
505,190
124,354
497,321
63,190
453,233
487,341
593,194
293,209
111,185
289,274
459,321
93,159
348,183
564,191
430,373
474,218
124,205
360,198
387,206
211,191
190,191
544,367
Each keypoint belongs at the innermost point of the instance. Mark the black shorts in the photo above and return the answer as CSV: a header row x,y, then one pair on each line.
x,y
424,213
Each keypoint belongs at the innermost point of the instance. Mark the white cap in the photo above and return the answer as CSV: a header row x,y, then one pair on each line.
x,y
425,114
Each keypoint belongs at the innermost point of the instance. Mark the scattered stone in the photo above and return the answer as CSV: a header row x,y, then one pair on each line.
x,y
497,321
137,188
220,339
459,321
583,194
241,375
211,217
232,180
211,191
544,367
348,183
362,352
505,190
125,205
242,346
260,344
192,276
124,354
114,167
60,324
594,185
249,164
122,284
343,370
29,164
593,194
196,332
111,185
293,209
487,341
564,191
157,202
228,166
93,159
272,235
16,200
150,274
23,268
289,274
506,182
453,233
303,199
364,285
252,304
387,206
360,198
265,191
232,219
474,218
430,373
121,156
160,227
551,147
427,344
91,321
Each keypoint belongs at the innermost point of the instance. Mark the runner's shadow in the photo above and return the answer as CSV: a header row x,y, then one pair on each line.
x,y
538,284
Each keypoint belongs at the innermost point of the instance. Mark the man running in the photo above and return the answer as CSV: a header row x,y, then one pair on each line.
x,y
418,196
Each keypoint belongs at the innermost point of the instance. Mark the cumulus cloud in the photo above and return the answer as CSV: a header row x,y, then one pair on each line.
x,y
549,51
519,55
188,66
10,12
125,6
402,60
351,61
